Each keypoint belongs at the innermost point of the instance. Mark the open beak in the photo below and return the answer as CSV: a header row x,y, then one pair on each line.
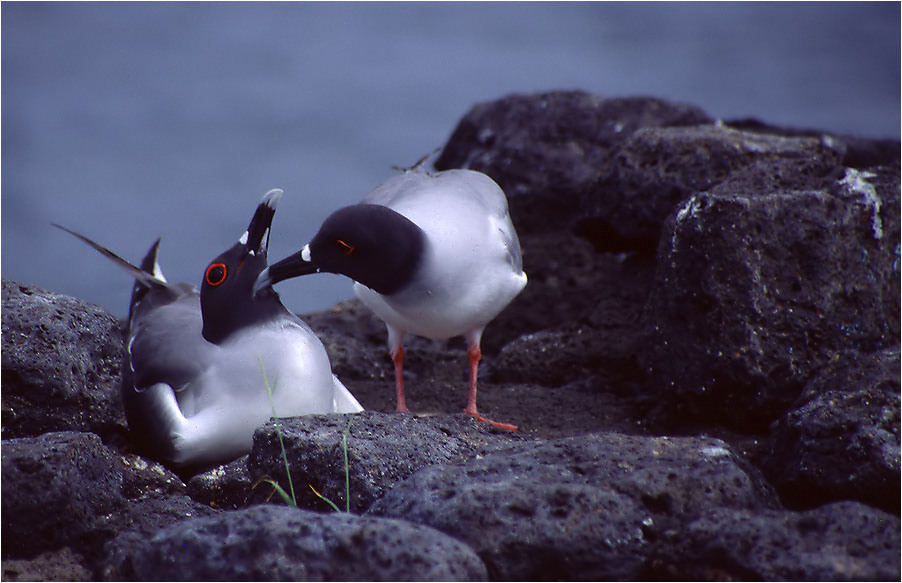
x,y
256,238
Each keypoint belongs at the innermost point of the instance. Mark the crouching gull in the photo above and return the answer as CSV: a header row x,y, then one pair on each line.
x,y
434,255
203,370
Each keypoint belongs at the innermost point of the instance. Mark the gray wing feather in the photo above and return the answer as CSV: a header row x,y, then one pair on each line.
x,y
166,346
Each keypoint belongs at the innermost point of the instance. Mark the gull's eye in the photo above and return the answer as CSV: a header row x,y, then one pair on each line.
x,y
348,249
216,274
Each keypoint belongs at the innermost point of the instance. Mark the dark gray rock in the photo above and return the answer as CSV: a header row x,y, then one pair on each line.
x,y
552,357
144,478
755,293
228,486
144,517
857,152
567,280
544,149
133,525
60,565
382,450
603,342
845,541
55,487
585,507
356,341
275,543
657,168
61,362
841,440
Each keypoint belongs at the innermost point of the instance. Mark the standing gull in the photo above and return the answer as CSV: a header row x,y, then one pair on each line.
x,y
203,370
434,255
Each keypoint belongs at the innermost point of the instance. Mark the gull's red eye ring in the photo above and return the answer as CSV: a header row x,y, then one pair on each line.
x,y
216,274
348,249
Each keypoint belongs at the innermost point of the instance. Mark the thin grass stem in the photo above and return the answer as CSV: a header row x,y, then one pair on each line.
x,y
294,500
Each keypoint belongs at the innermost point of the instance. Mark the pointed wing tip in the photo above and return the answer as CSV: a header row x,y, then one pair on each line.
x,y
420,165
139,274
62,228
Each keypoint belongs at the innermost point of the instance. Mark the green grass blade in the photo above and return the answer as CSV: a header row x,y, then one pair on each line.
x,y
276,488
324,499
294,500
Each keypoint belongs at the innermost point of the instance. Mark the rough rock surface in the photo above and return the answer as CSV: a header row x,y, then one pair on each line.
x,y
62,565
61,360
227,486
544,149
704,368
756,292
380,449
843,541
841,439
269,543
134,524
575,508
144,478
656,168
56,486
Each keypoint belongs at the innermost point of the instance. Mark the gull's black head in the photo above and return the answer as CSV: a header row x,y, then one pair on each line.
x,y
371,244
227,298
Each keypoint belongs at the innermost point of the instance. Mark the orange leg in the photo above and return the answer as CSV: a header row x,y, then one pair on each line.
x,y
475,353
397,357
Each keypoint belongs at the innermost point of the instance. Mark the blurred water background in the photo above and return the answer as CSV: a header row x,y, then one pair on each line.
x,y
129,121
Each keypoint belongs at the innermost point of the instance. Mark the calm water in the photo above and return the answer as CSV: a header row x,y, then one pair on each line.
x,y
131,121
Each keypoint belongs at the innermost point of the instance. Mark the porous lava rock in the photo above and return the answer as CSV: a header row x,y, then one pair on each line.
x,y
61,363
275,543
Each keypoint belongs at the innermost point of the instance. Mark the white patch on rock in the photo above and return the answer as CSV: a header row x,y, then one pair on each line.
x,y
857,183
715,451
